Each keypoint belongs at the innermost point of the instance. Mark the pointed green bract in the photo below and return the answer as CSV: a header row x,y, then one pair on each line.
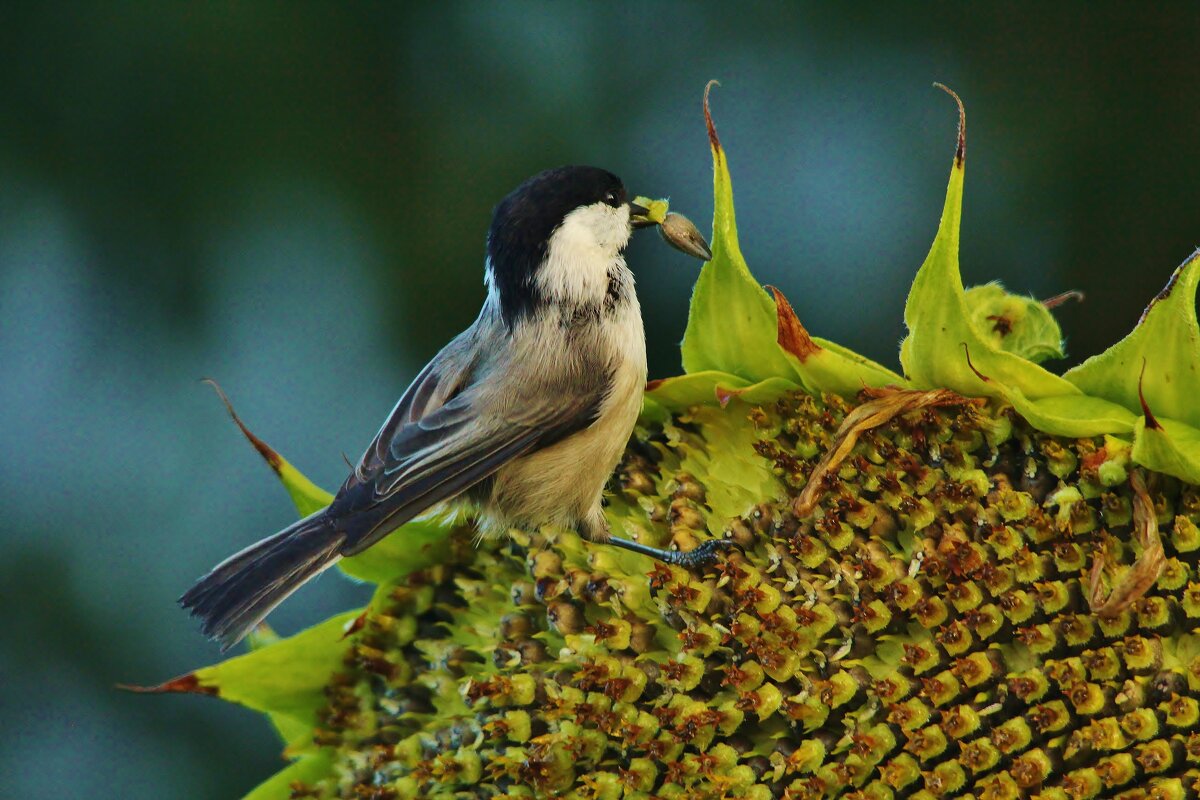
x,y
1170,447
1019,325
694,388
839,370
1166,343
410,547
735,327
944,348
306,495
262,635
1101,396
731,323
285,680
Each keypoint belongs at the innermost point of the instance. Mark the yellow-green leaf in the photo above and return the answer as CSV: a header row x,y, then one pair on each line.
x,y
821,365
1072,415
1168,446
731,322
1166,342
414,545
713,387
944,348
285,680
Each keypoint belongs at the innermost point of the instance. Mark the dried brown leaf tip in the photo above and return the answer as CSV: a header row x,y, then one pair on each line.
x,y
886,405
184,684
791,333
1058,299
1152,423
651,385
971,366
708,120
273,459
960,153
355,625
1145,572
1170,287
725,394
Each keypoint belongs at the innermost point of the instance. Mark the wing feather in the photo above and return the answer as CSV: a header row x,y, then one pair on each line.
x,y
438,382
439,442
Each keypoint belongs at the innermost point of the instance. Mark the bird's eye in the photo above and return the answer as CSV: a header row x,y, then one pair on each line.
x,y
612,199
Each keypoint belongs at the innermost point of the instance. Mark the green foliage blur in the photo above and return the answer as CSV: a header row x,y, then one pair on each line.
x,y
292,199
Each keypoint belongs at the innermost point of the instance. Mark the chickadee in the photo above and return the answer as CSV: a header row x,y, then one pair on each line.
x,y
524,415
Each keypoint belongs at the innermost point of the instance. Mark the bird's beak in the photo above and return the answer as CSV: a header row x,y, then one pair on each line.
x,y
638,216
676,229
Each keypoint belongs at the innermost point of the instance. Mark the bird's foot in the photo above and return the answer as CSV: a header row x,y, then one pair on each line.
x,y
706,554
702,556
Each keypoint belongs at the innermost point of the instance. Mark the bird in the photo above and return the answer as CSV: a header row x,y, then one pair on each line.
x,y
522,417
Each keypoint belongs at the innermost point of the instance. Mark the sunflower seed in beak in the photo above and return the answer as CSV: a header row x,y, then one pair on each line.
x,y
679,232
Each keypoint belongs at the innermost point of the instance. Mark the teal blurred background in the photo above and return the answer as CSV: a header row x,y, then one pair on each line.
x,y
292,199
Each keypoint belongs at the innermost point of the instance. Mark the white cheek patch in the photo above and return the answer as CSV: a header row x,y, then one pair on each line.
x,y
582,250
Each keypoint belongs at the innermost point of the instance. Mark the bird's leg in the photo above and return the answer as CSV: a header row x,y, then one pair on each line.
x,y
703,555
595,527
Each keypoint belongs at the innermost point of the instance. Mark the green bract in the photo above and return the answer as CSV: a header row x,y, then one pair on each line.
x,y
1020,325
978,592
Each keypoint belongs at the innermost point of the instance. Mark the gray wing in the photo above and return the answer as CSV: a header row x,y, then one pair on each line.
x,y
437,382
441,380
442,439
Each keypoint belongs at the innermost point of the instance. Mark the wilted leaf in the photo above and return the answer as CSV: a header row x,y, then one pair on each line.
x,y
1138,579
884,407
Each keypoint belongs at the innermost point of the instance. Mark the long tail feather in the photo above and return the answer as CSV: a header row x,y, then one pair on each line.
x,y
241,590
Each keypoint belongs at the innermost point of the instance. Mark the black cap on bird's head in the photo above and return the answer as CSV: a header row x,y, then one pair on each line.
x,y
524,221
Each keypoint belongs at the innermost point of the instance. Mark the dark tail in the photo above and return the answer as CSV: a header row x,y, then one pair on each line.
x,y
241,590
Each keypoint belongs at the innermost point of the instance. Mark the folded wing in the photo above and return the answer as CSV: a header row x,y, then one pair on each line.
x,y
415,464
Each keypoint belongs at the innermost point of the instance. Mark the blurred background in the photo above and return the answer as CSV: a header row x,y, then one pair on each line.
x,y
292,199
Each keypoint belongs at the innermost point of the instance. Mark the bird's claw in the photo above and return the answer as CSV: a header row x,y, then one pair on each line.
x,y
705,554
